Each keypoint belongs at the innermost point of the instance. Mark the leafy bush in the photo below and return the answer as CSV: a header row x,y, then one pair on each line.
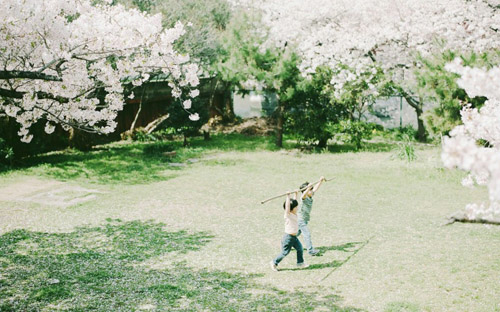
x,y
400,134
6,153
313,107
353,131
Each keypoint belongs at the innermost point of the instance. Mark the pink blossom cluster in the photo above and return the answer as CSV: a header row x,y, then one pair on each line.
x,y
390,32
475,146
70,49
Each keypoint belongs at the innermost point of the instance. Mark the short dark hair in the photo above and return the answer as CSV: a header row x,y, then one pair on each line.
x,y
303,186
293,203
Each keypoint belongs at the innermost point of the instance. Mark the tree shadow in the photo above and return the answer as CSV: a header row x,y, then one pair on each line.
x,y
352,248
103,269
331,264
134,162
366,147
347,247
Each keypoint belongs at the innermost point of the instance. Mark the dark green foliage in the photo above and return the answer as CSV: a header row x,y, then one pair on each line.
x,y
6,153
442,87
102,269
40,143
353,131
179,122
313,107
160,135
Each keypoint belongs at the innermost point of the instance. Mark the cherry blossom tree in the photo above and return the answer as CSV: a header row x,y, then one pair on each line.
x,y
475,145
66,62
390,33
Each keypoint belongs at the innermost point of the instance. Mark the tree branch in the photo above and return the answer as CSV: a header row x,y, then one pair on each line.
x,y
409,99
62,121
40,94
460,217
18,74
11,94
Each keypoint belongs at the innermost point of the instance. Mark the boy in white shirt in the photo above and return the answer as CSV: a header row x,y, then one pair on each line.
x,y
290,239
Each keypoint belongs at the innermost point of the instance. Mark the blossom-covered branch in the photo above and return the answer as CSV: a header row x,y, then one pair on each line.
x,y
55,53
475,146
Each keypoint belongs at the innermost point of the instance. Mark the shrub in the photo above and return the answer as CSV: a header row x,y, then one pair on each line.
x,y
313,107
353,131
6,153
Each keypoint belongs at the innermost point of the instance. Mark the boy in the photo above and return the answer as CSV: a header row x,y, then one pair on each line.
x,y
305,213
290,239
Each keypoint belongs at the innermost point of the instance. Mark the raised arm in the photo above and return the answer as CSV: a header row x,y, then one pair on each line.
x,y
306,191
316,187
287,203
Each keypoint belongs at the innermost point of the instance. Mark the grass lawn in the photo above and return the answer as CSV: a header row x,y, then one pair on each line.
x,y
125,227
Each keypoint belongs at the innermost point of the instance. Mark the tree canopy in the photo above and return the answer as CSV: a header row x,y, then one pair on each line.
x,y
66,61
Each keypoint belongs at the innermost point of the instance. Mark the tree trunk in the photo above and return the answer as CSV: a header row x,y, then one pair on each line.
x,y
214,108
228,106
421,137
279,125
206,135
155,123
322,142
417,105
132,126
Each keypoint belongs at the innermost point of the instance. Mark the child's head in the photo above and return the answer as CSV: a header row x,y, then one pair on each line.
x,y
303,187
293,204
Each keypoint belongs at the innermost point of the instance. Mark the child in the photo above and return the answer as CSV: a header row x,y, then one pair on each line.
x,y
305,213
290,239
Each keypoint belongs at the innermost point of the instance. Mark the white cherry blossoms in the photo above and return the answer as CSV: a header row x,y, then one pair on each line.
x,y
475,146
58,56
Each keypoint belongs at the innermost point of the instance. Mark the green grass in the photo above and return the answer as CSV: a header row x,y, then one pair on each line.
x,y
208,246
136,162
101,269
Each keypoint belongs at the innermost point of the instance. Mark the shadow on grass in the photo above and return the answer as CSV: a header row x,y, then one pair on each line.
x,y
136,162
102,269
347,247
366,147
351,248
125,163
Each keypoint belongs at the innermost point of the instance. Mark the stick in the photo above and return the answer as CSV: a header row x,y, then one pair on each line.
x,y
297,190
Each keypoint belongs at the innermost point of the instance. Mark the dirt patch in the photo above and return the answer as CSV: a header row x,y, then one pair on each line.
x,y
249,126
46,192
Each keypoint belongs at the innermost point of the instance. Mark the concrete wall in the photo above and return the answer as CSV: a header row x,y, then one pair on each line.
x,y
392,112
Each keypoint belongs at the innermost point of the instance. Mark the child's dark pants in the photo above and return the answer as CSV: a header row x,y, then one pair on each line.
x,y
287,242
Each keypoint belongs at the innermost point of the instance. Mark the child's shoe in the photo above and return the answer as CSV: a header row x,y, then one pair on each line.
x,y
302,265
314,252
274,267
